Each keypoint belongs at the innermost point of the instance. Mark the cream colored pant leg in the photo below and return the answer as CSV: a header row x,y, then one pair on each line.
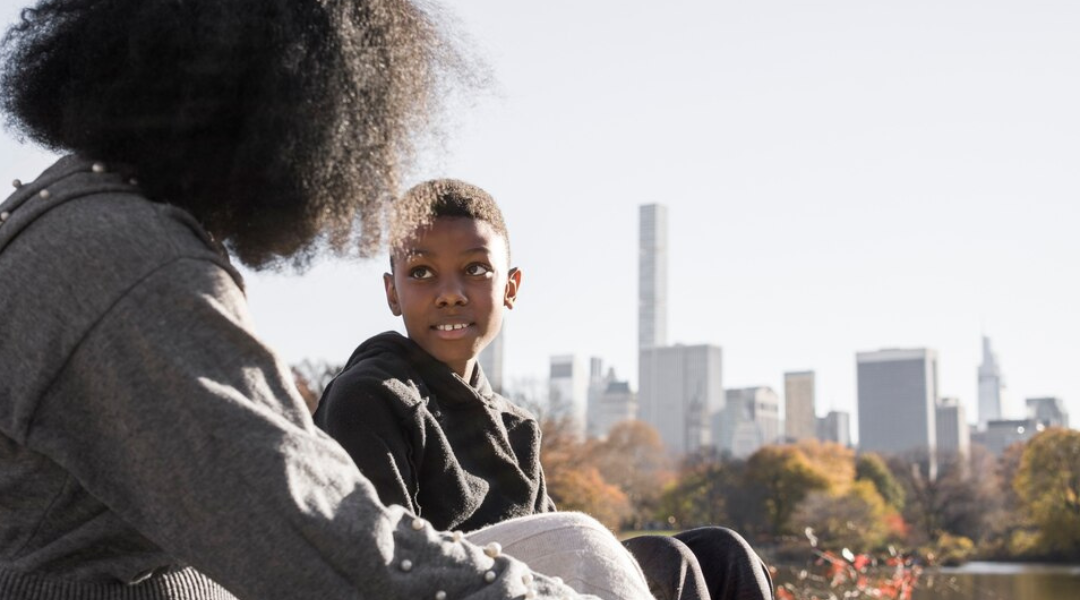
x,y
573,546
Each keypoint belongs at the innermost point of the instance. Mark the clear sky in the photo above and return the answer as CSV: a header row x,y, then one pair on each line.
x,y
841,176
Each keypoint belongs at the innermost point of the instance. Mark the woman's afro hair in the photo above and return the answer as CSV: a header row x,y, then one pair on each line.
x,y
277,123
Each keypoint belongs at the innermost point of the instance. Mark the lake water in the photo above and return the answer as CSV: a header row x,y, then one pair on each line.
x,y
1001,581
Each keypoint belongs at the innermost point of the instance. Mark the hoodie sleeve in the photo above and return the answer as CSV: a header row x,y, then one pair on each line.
x,y
357,410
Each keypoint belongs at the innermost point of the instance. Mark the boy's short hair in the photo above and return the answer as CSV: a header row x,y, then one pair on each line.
x,y
427,201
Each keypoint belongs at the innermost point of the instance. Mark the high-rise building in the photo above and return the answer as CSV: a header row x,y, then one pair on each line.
x,y
1049,411
569,390
835,427
800,421
681,388
491,361
1003,433
749,420
953,434
652,276
991,386
616,403
898,398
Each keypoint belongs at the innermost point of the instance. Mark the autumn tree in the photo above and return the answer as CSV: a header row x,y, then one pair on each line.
x,y
834,461
573,481
780,477
1048,483
583,489
855,519
1011,532
632,457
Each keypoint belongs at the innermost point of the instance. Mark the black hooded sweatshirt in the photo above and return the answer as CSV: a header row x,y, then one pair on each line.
x,y
451,451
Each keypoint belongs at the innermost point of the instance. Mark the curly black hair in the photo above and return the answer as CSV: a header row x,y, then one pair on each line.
x,y
427,201
279,124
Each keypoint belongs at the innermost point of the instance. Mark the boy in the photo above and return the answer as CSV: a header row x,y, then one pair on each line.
x,y
420,420
417,414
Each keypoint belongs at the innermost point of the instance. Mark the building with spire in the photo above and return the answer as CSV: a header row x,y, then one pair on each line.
x,y
679,387
991,386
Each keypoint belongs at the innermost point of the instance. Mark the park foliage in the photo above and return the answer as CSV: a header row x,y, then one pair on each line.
x,y
1023,505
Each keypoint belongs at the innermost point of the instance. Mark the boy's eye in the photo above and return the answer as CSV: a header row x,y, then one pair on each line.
x,y
420,273
477,269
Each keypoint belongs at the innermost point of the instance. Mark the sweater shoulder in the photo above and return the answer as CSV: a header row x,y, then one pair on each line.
x,y
375,384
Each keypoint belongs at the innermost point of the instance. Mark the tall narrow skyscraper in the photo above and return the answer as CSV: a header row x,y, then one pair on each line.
x,y
991,386
652,277
898,398
800,420
679,387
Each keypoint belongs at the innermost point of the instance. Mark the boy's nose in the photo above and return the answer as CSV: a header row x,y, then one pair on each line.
x,y
451,294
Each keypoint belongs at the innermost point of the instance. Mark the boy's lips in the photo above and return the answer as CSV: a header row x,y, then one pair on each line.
x,y
452,331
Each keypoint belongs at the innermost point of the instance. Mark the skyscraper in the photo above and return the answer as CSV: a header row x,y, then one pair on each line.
x,y
681,388
991,386
569,390
1002,433
617,403
835,427
800,421
898,398
652,276
953,434
1049,411
750,419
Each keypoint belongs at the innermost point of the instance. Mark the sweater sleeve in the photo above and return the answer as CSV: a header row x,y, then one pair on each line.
x,y
356,412
180,421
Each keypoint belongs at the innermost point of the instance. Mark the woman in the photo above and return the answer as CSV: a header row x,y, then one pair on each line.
x,y
150,445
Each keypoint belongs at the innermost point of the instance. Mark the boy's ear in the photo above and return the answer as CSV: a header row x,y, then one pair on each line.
x,y
513,284
391,294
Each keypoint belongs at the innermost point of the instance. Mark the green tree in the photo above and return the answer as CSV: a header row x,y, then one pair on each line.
x,y
870,467
700,496
1048,483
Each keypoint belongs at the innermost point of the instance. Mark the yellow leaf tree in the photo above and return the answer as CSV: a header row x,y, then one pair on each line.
x,y
1048,483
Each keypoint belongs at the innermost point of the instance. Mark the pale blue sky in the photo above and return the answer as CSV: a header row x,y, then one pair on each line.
x,y
841,176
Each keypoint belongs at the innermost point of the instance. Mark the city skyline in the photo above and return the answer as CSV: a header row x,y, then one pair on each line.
x,y
839,178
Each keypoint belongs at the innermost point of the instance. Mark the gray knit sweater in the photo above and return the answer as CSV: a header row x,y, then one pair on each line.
x,y
152,447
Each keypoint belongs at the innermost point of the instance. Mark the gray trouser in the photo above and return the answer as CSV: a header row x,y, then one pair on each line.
x,y
573,546
707,563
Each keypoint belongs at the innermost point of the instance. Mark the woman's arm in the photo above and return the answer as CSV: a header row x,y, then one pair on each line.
x,y
178,419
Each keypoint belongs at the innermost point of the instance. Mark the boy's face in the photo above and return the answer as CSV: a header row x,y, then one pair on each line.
x,y
450,282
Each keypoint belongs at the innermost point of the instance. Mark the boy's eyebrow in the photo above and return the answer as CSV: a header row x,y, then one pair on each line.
x,y
407,252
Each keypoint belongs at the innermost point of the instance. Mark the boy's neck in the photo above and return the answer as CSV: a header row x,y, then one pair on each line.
x,y
465,371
